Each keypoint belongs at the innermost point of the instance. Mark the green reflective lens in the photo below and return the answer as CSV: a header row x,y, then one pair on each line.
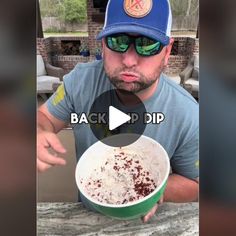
x,y
118,43
144,46
147,47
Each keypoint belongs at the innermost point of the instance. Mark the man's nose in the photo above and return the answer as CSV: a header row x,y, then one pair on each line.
x,y
130,57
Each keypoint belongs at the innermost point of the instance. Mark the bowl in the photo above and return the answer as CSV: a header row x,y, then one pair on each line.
x,y
156,163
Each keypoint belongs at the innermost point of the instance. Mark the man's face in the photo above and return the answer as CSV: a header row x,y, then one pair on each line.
x,y
132,72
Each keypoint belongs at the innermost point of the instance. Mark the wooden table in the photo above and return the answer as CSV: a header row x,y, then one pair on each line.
x,y
73,219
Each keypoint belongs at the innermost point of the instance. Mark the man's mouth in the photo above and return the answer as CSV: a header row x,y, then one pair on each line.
x,y
129,77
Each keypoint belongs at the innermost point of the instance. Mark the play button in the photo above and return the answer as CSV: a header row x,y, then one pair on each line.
x,y
117,118
117,112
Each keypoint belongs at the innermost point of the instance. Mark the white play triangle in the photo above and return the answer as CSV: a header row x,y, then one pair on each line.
x,y
117,118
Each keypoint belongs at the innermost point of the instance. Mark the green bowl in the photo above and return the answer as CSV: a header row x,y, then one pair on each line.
x,y
131,210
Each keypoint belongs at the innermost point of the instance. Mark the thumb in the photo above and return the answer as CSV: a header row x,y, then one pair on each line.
x,y
55,143
150,214
161,200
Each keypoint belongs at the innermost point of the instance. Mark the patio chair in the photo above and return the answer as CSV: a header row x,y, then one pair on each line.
x,y
47,75
189,76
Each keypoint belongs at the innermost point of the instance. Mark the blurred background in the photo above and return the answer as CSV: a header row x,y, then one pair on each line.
x,y
17,119
217,118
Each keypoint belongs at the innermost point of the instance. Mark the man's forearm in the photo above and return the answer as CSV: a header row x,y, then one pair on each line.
x,y
181,189
43,123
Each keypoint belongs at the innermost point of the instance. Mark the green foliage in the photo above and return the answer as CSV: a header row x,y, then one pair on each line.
x,y
71,11
75,11
54,30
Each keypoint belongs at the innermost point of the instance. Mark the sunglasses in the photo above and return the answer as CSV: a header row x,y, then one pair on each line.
x,y
144,46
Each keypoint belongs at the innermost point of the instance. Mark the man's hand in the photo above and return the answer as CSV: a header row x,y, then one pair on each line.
x,y
152,212
45,159
179,189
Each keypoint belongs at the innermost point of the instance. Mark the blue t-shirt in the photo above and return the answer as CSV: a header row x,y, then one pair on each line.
x,y
178,133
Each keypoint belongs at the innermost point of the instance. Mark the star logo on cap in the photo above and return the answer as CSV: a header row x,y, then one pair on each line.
x,y
137,8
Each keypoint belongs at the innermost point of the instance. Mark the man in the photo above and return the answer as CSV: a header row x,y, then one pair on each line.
x,y
136,48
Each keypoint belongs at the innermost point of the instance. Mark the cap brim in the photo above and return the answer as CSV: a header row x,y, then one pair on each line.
x,y
154,34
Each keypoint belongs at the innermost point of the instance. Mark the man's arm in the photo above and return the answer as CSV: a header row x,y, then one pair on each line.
x,y
181,189
48,122
47,127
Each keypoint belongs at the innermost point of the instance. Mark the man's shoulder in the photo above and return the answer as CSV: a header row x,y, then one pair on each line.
x,y
179,101
83,69
86,79
178,92
85,72
97,64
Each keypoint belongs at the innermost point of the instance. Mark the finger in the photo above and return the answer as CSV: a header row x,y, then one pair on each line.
x,y
55,143
41,166
50,159
150,214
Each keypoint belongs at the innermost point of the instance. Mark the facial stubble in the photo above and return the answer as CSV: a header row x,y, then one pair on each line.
x,y
143,83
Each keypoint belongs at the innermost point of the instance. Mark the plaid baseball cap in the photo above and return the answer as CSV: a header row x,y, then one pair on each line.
x,y
151,18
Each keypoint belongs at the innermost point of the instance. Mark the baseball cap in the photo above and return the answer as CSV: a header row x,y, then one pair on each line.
x,y
151,18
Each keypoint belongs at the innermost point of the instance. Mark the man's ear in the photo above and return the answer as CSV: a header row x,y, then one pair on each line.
x,y
168,51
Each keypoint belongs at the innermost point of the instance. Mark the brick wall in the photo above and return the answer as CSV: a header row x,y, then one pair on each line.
x,y
192,46
55,49
187,47
176,64
50,48
43,48
69,62
55,46
93,27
